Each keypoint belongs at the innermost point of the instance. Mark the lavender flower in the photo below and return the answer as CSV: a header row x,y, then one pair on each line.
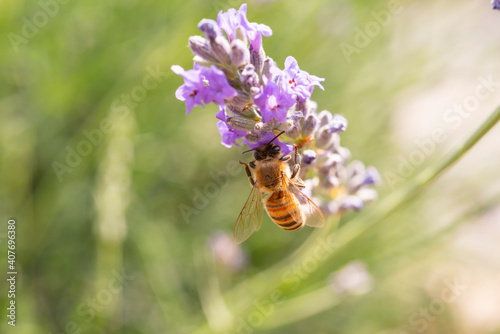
x,y
207,84
495,4
257,99
299,82
353,279
232,19
226,252
192,91
274,102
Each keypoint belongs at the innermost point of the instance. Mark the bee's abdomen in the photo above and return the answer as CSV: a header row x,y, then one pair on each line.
x,y
285,212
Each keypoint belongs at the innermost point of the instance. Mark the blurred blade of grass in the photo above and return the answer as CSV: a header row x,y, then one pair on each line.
x,y
303,307
152,47
270,279
420,242
216,312
323,298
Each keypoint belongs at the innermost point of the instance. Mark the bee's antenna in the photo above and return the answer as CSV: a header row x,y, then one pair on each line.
x,y
253,149
248,151
279,134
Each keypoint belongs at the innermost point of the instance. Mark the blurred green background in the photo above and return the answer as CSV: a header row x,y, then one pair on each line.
x,y
102,244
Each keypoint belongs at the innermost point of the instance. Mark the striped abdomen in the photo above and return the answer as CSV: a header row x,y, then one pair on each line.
x,y
285,211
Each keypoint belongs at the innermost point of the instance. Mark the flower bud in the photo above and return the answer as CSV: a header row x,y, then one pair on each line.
x,y
324,138
250,79
259,127
266,67
311,107
201,48
372,177
286,126
240,55
324,117
308,157
210,29
327,161
239,102
254,91
266,127
248,110
330,182
351,203
342,151
330,208
338,123
253,137
359,176
257,58
241,123
310,125
226,252
294,131
221,49
307,107
353,279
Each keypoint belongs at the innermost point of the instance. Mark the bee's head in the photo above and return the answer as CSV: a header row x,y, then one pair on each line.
x,y
267,151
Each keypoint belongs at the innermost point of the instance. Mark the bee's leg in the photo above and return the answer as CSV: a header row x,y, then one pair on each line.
x,y
249,173
296,155
285,158
252,164
296,162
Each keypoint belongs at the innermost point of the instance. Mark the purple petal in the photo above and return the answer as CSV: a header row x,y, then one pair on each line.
x,y
232,19
274,102
193,89
352,203
229,135
222,114
298,81
218,87
372,177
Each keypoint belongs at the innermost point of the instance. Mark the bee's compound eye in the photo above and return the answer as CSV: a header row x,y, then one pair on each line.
x,y
275,149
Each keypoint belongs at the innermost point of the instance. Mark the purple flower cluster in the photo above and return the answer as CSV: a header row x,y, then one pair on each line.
x,y
257,99
495,4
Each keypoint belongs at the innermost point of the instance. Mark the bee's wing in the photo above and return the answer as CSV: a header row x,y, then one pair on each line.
x,y
314,216
250,218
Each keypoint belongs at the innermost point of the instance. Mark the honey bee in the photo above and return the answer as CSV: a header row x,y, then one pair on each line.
x,y
277,189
